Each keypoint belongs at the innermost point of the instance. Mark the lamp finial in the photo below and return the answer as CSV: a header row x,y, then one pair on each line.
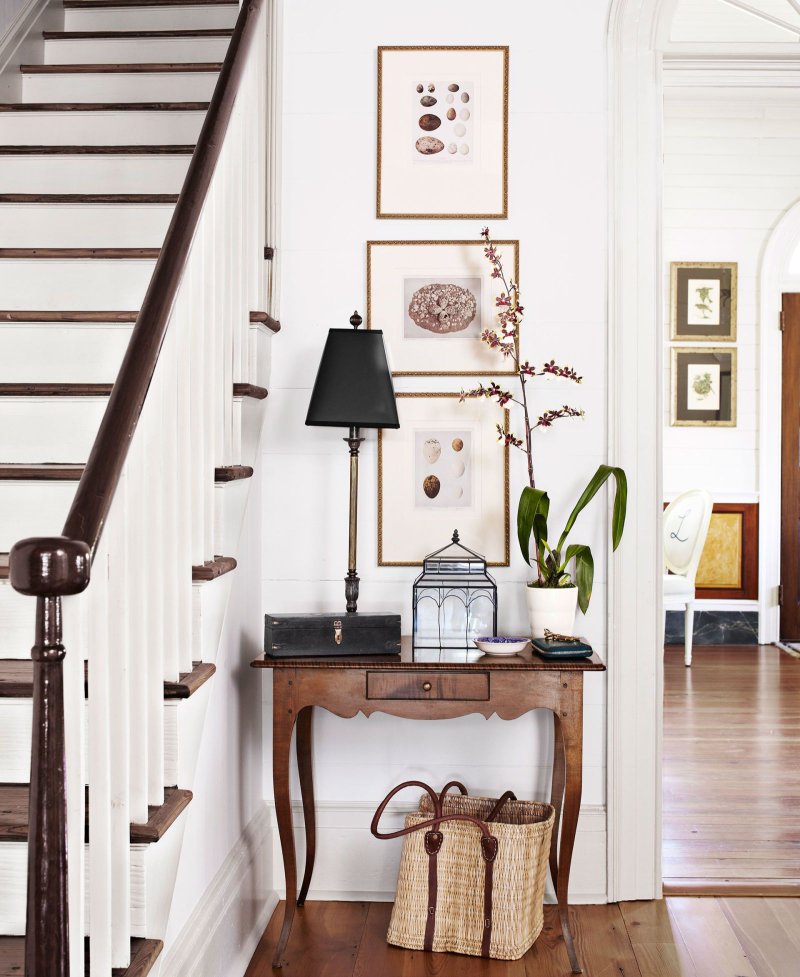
x,y
355,320
455,536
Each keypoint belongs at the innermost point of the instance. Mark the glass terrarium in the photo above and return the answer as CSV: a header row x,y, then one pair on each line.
x,y
454,602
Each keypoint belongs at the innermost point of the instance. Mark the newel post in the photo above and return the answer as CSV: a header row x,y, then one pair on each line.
x,y
48,569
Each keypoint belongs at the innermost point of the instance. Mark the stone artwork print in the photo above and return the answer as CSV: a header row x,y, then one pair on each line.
x,y
442,308
442,469
446,108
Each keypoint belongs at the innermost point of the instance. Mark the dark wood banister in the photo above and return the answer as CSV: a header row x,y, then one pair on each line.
x,y
50,568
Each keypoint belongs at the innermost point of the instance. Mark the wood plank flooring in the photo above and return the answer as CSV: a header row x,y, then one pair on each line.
x,y
731,772
678,937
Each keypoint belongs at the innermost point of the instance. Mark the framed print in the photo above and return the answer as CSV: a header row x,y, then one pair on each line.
x,y
703,387
433,299
703,300
442,132
728,568
443,469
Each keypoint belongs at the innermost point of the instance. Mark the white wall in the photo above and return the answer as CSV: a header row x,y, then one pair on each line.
x,y
731,170
557,194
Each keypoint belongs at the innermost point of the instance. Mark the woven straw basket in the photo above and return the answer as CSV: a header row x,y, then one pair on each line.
x,y
516,881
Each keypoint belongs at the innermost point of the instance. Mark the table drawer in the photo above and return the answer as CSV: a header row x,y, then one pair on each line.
x,y
427,684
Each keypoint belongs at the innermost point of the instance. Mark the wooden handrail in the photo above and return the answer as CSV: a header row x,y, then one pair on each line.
x,y
52,567
95,493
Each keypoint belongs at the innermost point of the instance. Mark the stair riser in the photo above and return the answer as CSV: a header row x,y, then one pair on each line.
x,y
185,86
49,429
55,283
145,872
134,49
93,174
83,226
149,18
51,353
16,716
32,509
100,128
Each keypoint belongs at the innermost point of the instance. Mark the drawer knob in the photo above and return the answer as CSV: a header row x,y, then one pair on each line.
x,y
426,686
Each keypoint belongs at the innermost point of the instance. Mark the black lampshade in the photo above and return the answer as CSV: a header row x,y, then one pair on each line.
x,y
353,386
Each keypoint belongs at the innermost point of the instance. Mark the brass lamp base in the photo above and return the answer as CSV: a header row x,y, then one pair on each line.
x,y
352,581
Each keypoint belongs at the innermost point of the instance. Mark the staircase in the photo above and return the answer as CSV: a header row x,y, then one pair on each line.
x,y
134,360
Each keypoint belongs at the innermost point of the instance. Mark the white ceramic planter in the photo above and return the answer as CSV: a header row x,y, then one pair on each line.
x,y
553,608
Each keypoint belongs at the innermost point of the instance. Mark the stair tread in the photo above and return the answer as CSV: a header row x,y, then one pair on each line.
x,y
100,390
209,570
123,35
65,472
16,679
232,473
144,954
14,814
88,198
266,319
99,4
42,315
103,106
80,253
135,150
156,67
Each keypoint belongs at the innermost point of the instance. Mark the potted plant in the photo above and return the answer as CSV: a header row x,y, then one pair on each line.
x,y
564,576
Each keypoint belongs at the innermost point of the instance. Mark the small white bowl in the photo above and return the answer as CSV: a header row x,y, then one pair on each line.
x,y
508,646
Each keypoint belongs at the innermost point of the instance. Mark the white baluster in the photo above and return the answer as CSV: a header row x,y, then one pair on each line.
x,y
167,577
99,770
118,653
212,438
139,545
74,611
197,342
183,518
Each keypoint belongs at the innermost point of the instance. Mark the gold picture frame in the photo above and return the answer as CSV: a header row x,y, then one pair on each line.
x,y
413,187
717,283
704,386
393,265
419,525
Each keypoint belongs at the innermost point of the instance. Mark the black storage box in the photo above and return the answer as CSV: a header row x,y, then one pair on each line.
x,y
330,635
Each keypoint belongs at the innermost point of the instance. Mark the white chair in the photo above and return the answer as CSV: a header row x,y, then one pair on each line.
x,y
686,522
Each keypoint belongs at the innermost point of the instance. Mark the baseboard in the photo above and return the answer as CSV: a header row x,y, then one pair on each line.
x,y
221,935
353,866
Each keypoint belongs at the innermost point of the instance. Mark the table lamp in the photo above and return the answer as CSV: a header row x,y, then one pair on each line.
x,y
353,389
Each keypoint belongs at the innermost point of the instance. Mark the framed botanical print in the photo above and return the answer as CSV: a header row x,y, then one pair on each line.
x,y
442,132
433,299
703,387
703,300
443,469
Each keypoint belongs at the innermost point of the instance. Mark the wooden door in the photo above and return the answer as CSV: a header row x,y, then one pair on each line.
x,y
790,468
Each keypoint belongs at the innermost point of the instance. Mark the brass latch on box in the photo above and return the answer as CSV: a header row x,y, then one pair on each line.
x,y
337,632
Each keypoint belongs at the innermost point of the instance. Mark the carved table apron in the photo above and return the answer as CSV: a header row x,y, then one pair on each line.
x,y
507,687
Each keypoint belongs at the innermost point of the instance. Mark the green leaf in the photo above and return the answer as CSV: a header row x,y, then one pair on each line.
x,y
600,477
534,506
584,573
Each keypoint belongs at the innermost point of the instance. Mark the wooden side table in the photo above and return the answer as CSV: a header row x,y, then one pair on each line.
x,y
507,687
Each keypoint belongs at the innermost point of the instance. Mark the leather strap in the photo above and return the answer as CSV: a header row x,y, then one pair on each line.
x,y
501,803
433,843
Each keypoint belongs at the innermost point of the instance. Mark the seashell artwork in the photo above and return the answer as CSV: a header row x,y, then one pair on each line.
x,y
428,145
431,486
442,308
432,450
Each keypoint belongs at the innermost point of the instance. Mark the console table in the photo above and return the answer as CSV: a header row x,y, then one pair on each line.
x,y
399,686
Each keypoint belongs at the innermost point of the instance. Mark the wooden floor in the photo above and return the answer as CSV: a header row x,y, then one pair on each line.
x,y
732,772
681,937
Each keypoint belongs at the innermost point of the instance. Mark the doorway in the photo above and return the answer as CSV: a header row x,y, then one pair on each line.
x,y
789,593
